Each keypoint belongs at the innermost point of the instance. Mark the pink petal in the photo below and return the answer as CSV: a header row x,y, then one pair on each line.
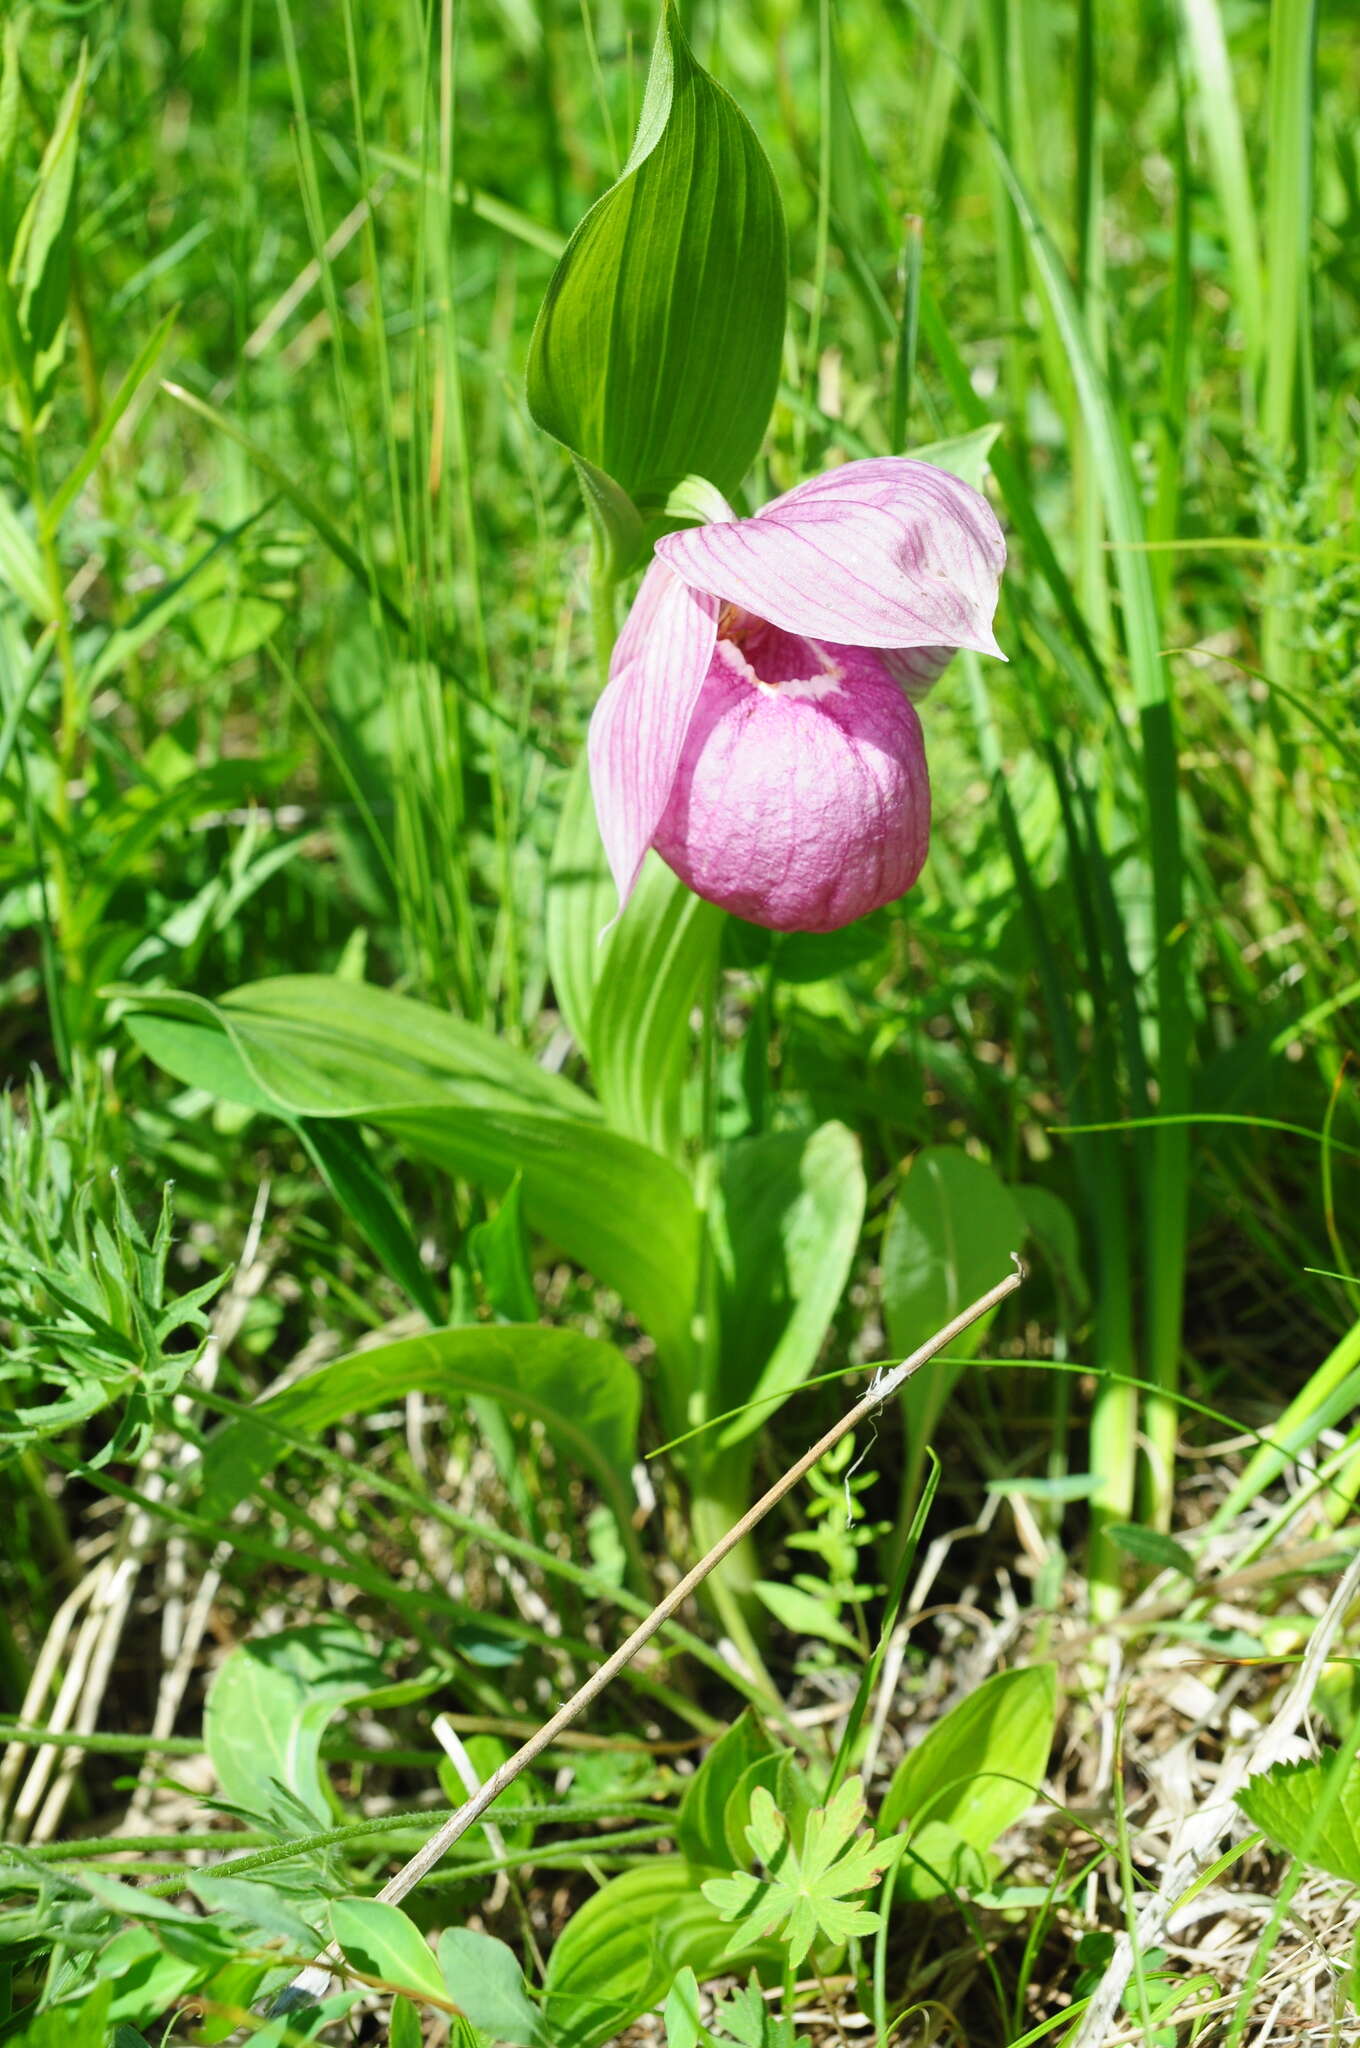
x,y
637,731
884,553
803,806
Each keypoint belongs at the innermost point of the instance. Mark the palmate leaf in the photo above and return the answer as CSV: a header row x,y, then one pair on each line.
x,y
656,353
807,1896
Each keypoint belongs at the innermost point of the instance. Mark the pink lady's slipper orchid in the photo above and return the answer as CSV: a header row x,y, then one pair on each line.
x,y
758,728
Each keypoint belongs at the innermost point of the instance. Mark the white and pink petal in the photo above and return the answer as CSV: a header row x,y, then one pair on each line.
x,y
638,728
886,553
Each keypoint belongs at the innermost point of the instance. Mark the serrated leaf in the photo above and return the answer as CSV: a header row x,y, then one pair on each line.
x,y
1284,1803
657,350
803,1896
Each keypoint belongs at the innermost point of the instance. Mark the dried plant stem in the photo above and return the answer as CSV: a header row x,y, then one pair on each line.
x,y
883,1389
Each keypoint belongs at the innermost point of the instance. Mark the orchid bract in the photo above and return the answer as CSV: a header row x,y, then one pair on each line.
x,y
758,728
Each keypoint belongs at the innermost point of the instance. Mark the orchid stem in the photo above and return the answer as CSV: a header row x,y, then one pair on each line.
x,y
603,587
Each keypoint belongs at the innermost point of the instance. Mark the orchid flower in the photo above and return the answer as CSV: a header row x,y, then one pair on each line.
x,y
758,728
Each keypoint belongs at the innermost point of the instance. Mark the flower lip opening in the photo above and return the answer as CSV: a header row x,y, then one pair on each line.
x,y
773,661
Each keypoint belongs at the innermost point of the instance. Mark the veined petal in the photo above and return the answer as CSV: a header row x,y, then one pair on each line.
x,y
882,553
637,731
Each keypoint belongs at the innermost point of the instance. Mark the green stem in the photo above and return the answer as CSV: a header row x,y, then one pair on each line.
x,y
603,590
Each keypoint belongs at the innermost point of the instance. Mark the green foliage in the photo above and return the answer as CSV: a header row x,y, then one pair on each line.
x,y
975,1773
95,1318
268,1709
582,1390
1292,1806
483,1978
657,348
295,671
804,1895
951,1233
381,1942
792,1204
622,1949
743,2020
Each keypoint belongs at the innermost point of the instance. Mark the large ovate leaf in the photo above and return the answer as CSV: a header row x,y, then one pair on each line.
x,y
383,1943
976,1772
315,1046
950,1236
792,1203
268,1709
628,998
662,957
486,1983
583,1391
657,349
622,1949
701,1827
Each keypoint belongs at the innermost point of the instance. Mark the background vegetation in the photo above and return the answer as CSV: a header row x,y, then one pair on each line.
x,y
296,656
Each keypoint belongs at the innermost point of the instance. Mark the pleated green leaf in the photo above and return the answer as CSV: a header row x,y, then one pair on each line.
x,y
657,349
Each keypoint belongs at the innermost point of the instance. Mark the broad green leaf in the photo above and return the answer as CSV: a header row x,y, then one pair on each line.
x,y
484,1980
74,2023
1052,1231
146,1979
628,997
662,958
621,1950
950,1236
699,1829
382,1942
657,349
339,1154
791,1209
269,1707
501,1257
979,1768
312,1045
583,1391
800,957
1283,1803
581,901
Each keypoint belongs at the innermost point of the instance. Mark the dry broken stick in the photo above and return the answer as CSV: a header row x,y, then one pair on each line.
x,y
884,1386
